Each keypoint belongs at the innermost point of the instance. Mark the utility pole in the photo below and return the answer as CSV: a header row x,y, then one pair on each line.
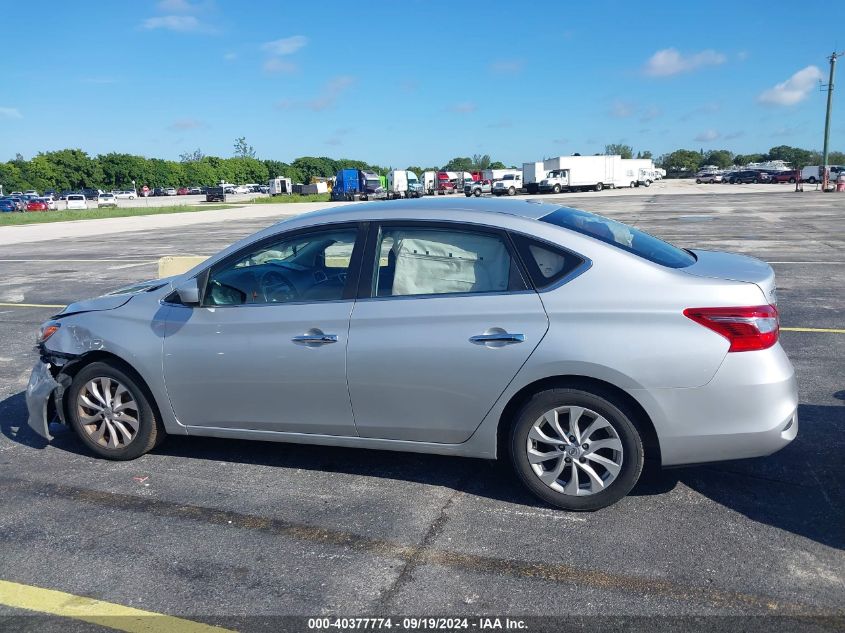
x,y
825,172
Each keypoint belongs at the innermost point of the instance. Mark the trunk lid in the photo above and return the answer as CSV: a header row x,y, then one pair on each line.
x,y
718,265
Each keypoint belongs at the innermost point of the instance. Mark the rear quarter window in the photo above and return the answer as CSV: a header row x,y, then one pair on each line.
x,y
621,236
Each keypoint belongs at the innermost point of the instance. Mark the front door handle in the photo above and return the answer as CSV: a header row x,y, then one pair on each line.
x,y
314,337
497,337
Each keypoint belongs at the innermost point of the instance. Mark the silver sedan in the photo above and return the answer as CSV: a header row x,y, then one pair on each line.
x,y
570,344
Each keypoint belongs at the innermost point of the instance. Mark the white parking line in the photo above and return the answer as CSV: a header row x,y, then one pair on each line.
x,y
130,265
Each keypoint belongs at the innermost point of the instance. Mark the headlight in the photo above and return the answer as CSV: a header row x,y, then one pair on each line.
x,y
46,331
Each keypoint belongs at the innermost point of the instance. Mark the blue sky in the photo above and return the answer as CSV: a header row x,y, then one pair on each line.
x,y
412,81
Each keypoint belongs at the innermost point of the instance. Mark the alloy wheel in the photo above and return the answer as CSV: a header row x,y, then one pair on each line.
x,y
108,412
574,451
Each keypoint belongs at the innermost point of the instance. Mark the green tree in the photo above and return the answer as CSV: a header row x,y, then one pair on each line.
x,y
309,166
480,162
497,164
744,159
192,157
614,149
11,178
119,170
459,163
74,169
243,149
681,160
39,173
722,158
795,156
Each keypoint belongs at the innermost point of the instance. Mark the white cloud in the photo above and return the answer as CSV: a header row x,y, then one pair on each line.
x,y
329,95
670,61
463,107
793,90
10,113
622,109
286,45
179,23
707,136
186,124
279,66
507,66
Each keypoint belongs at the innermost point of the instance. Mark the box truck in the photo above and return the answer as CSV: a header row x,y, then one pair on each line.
x,y
280,186
638,171
402,183
532,174
429,182
574,173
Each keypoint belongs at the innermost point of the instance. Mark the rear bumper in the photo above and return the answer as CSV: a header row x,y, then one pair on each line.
x,y
748,409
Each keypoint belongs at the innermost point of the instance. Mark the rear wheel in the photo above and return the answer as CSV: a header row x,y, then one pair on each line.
x,y
111,413
633,184
698,181
792,181
576,449
599,186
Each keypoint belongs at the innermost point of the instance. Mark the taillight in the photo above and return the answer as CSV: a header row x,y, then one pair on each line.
x,y
747,329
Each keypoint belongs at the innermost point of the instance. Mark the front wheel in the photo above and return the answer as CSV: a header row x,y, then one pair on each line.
x,y
111,414
477,193
556,189
511,191
812,180
576,449
599,186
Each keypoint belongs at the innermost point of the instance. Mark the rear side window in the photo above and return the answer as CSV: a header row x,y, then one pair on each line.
x,y
546,263
621,236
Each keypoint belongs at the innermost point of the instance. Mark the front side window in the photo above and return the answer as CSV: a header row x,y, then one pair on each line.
x,y
621,236
421,261
303,268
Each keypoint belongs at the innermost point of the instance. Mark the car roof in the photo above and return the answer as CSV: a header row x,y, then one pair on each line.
x,y
433,208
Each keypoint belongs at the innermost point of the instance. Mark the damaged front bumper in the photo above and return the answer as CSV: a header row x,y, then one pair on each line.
x,y
40,391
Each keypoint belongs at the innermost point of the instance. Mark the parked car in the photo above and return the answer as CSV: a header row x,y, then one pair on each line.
x,y
182,191
477,187
51,193
76,201
170,191
36,204
126,194
784,176
106,200
31,192
91,194
194,191
64,194
7,205
215,194
51,204
20,203
708,177
747,176
572,345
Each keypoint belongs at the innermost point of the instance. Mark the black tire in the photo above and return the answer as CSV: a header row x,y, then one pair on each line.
x,y
647,183
756,181
615,413
477,193
792,181
812,180
599,186
150,430
636,184
556,189
511,191
698,181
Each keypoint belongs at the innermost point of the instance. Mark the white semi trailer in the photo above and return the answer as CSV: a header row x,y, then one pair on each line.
x,y
532,174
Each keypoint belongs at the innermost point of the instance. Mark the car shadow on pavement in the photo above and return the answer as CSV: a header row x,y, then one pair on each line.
x,y
799,489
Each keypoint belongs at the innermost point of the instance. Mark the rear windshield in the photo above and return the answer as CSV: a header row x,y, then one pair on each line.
x,y
622,236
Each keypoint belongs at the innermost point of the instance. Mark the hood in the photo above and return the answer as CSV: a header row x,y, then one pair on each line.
x,y
735,267
114,299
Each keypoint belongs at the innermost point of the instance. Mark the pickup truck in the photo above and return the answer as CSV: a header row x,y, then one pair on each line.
x,y
477,187
510,185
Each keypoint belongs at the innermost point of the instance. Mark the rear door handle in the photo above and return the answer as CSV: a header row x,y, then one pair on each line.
x,y
497,339
314,338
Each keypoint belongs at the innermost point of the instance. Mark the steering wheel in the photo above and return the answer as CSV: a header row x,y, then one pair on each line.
x,y
277,288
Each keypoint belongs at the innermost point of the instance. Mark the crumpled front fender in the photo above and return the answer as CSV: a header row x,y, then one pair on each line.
x,y
38,392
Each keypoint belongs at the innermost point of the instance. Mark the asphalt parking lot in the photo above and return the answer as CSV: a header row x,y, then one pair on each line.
x,y
205,528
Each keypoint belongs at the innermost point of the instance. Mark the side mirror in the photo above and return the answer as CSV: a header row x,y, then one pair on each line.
x,y
189,292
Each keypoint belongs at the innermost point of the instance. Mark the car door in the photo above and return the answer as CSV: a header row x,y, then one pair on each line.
x,y
443,322
265,350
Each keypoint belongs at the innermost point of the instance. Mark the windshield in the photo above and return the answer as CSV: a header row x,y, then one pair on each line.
x,y
621,236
